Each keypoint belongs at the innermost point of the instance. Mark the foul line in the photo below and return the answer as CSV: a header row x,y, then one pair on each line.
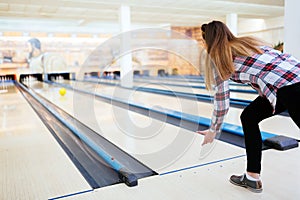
x,y
201,165
69,195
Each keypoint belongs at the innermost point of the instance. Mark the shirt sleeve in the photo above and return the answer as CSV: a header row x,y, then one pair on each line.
x,y
221,104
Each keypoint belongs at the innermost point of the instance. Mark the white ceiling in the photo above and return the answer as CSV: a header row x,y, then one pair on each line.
x,y
102,15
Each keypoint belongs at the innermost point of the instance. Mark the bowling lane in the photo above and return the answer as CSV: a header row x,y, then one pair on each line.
x,y
280,125
32,164
161,146
161,85
187,82
182,81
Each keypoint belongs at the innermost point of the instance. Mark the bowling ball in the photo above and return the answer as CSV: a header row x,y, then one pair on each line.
x,y
62,91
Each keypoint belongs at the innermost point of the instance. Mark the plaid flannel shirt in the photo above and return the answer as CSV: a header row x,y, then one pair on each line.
x,y
266,73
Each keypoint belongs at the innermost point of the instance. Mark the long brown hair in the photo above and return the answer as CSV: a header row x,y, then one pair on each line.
x,y
222,46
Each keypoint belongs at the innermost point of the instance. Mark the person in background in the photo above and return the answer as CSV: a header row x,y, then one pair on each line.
x,y
35,57
39,60
276,77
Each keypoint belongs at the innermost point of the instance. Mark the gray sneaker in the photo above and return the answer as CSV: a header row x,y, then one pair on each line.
x,y
253,186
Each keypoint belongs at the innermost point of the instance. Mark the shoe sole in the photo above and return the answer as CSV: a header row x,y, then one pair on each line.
x,y
247,187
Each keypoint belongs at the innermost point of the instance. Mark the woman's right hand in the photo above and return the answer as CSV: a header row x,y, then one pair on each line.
x,y
209,136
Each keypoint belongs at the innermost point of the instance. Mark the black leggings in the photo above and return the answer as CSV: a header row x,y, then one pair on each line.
x,y
288,98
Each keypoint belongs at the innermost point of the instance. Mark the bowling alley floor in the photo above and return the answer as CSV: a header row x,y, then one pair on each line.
x,y
34,166
210,181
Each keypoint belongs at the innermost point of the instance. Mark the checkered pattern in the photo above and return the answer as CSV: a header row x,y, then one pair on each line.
x,y
266,73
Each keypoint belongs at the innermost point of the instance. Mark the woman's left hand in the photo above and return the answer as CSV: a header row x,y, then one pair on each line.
x,y
209,136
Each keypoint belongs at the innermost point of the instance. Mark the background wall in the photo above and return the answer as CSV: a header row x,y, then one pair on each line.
x,y
271,30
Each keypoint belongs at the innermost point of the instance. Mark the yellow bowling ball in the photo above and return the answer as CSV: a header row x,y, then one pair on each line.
x,y
62,91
